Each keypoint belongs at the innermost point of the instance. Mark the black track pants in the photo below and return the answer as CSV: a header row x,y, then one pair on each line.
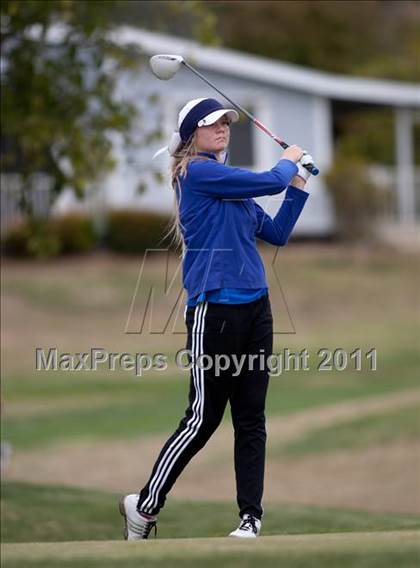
x,y
216,329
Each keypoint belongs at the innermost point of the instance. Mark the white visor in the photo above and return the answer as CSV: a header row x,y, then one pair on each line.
x,y
215,115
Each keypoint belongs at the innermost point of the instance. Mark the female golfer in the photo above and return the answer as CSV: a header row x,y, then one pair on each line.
x,y
228,314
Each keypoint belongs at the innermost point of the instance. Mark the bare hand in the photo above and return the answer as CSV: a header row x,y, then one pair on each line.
x,y
293,153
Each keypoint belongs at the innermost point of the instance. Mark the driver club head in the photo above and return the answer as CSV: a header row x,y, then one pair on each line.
x,y
165,66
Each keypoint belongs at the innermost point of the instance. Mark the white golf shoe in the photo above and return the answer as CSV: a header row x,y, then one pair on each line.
x,y
249,527
136,525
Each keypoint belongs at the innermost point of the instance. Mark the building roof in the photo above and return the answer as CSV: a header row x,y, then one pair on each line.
x,y
273,72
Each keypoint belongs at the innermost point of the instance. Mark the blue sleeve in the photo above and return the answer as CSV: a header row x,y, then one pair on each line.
x,y
214,179
277,230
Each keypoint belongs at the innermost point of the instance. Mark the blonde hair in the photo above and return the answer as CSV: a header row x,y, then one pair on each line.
x,y
185,153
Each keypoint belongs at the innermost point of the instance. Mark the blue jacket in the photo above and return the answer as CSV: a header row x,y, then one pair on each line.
x,y
220,222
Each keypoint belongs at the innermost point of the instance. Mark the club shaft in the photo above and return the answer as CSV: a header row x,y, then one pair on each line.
x,y
236,105
257,123
310,167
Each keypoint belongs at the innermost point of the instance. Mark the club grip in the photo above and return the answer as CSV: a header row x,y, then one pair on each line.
x,y
312,169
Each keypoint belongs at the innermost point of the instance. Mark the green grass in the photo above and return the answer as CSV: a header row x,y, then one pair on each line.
x,y
319,285
403,424
37,513
359,550
130,407
336,299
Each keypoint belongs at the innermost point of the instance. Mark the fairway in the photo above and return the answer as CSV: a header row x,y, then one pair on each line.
x,y
355,549
341,479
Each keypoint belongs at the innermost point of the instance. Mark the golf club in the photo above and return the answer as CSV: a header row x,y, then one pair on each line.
x,y
166,66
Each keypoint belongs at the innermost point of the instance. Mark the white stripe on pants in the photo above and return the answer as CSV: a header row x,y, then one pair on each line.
x,y
185,437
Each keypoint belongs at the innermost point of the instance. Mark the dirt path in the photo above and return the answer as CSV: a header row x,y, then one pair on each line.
x,y
377,479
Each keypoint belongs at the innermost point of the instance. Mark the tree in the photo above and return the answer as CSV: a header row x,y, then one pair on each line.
x,y
375,38
372,38
59,107
193,19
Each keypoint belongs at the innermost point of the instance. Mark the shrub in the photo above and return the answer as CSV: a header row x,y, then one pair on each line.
x,y
31,239
356,198
74,231
131,231
69,233
14,242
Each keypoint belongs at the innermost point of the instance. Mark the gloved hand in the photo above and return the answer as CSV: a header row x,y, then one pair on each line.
x,y
303,172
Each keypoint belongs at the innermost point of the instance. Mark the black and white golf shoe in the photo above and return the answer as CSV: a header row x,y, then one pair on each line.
x,y
136,525
249,527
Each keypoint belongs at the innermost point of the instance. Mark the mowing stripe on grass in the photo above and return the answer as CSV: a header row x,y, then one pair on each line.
x,y
314,550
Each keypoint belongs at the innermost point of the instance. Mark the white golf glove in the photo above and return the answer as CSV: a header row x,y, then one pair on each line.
x,y
303,172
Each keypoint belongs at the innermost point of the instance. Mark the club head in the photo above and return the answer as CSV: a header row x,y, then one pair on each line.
x,y
165,66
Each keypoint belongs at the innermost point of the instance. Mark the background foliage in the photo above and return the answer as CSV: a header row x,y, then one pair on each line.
x,y
60,110
372,38
59,107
